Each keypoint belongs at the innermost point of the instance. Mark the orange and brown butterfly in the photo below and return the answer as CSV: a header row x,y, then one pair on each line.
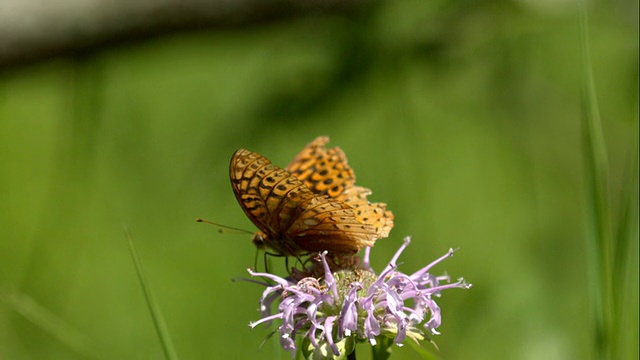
x,y
310,207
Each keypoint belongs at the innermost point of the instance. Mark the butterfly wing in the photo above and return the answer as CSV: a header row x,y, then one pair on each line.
x,y
326,171
246,171
375,214
293,217
329,224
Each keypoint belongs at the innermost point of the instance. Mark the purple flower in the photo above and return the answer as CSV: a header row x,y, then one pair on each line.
x,y
353,305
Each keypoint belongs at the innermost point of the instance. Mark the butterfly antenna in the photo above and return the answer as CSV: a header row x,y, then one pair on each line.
x,y
229,229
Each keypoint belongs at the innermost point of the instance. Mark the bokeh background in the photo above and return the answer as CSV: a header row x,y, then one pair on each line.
x,y
463,116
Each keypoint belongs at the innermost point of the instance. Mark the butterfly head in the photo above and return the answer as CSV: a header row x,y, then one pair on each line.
x,y
274,245
258,240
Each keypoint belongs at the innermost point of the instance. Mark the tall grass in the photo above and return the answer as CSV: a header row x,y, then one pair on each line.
x,y
156,314
611,301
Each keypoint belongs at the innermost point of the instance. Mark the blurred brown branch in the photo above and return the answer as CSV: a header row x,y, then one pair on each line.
x,y
31,30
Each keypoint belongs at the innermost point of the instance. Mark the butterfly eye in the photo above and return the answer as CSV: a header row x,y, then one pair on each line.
x,y
258,240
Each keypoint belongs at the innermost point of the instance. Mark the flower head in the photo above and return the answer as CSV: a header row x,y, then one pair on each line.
x,y
353,304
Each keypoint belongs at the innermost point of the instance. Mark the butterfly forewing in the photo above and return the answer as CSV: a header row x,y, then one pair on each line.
x,y
246,171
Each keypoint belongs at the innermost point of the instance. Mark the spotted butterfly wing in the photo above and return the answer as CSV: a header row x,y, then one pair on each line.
x,y
326,172
293,220
375,214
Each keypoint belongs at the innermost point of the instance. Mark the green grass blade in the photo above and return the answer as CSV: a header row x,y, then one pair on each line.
x,y
626,262
154,309
628,218
38,315
600,240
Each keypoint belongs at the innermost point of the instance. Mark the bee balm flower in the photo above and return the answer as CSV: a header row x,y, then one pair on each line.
x,y
354,305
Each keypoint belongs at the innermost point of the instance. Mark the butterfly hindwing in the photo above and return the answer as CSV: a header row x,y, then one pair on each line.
x,y
324,171
375,214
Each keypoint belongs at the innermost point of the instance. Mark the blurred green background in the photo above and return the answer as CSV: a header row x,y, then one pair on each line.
x,y
464,117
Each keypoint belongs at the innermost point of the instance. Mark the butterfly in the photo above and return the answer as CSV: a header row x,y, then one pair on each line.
x,y
311,206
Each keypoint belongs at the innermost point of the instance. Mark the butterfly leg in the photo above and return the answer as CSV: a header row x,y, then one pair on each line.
x,y
266,263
